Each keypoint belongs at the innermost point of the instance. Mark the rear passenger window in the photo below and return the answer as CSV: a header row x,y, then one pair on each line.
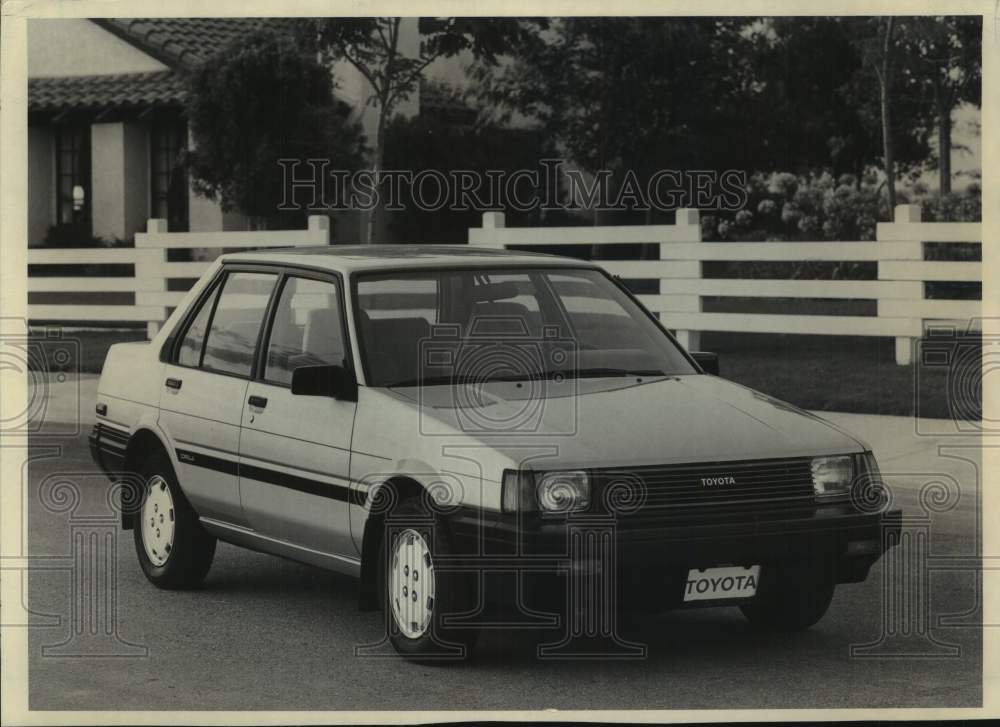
x,y
189,353
235,326
306,331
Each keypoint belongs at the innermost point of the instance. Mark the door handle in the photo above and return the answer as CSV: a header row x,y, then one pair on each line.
x,y
174,383
258,401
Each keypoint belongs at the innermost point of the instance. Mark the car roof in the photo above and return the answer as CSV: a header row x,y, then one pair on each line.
x,y
352,258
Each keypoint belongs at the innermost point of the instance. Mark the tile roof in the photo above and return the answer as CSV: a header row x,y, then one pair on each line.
x,y
121,91
178,42
182,41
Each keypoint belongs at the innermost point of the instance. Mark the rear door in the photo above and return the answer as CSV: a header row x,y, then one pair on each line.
x,y
295,450
205,387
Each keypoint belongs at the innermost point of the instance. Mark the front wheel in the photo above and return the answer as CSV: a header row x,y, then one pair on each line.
x,y
418,594
792,602
174,550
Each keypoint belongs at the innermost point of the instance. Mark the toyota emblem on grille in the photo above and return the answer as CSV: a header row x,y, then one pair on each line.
x,y
717,481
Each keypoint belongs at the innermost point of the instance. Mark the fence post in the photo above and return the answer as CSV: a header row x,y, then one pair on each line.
x,y
483,236
494,220
320,224
688,222
150,257
905,214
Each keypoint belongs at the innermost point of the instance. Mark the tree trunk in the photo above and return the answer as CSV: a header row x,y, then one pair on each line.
x,y
885,84
376,171
606,112
890,171
944,139
386,104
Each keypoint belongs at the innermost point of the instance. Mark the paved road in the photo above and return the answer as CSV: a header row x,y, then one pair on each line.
x,y
265,633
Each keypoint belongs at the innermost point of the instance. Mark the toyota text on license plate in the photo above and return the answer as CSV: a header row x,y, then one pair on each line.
x,y
715,583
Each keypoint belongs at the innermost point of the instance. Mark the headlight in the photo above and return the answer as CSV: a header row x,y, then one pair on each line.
x,y
561,492
833,476
549,492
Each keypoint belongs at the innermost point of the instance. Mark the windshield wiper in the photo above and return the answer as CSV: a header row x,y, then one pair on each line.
x,y
457,380
424,381
588,373
604,372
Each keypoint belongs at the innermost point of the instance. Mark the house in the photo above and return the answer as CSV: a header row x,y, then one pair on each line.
x,y
106,124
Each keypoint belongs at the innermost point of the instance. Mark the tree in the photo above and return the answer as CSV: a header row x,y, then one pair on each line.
x,y
883,66
580,85
924,67
944,55
372,46
816,108
260,100
760,94
629,95
426,143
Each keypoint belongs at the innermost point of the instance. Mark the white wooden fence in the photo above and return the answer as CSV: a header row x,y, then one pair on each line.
x,y
902,312
151,270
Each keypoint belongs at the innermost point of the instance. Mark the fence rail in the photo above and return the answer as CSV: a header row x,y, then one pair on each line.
x,y
903,311
145,272
141,284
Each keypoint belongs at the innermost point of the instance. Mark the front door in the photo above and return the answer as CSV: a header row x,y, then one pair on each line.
x,y
294,449
204,389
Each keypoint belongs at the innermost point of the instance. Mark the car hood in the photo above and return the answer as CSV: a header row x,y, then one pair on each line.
x,y
621,422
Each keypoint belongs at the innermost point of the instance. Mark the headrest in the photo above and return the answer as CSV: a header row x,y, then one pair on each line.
x,y
501,318
322,336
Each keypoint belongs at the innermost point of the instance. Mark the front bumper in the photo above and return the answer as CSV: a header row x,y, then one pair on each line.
x,y
834,540
107,449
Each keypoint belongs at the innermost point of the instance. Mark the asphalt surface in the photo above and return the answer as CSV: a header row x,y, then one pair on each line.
x,y
265,633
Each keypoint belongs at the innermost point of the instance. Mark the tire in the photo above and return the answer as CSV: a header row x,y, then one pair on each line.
x,y
413,535
792,600
174,557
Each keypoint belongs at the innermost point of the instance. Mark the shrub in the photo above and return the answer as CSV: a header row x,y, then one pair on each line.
x,y
963,206
784,206
79,235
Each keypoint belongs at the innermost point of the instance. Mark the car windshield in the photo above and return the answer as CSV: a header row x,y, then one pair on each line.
x,y
476,326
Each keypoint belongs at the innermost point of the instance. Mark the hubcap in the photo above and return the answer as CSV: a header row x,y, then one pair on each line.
x,y
411,583
157,520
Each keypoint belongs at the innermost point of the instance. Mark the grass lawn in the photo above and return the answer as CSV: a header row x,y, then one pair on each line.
x,y
831,373
89,346
854,374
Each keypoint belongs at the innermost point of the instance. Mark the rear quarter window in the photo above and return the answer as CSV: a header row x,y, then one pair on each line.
x,y
191,346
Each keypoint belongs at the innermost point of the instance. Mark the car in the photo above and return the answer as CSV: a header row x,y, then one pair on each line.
x,y
481,437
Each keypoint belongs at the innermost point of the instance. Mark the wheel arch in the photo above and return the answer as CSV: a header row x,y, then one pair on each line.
x,y
401,487
143,443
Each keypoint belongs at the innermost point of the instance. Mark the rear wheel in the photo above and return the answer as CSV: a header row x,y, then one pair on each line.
x,y
174,550
791,600
418,594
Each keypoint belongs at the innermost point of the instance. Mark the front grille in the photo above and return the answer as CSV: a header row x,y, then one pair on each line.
x,y
680,488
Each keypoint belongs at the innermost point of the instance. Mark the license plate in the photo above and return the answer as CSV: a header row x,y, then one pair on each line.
x,y
715,583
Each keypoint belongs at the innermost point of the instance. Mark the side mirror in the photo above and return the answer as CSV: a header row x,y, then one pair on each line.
x,y
709,362
326,380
